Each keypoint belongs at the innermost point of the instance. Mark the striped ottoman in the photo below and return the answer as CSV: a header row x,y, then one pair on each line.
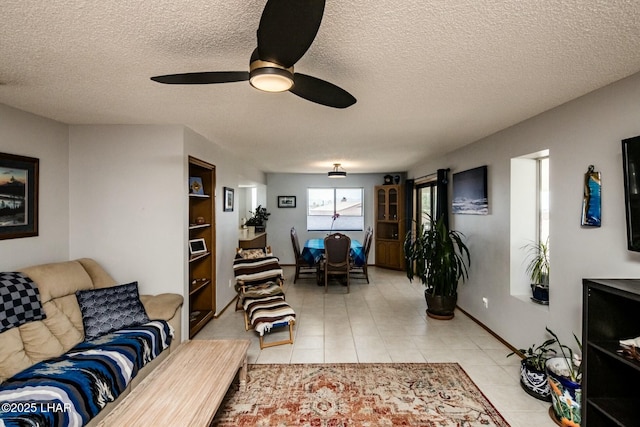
x,y
264,313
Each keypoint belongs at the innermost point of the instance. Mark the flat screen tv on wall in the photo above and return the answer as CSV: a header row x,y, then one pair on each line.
x,y
631,169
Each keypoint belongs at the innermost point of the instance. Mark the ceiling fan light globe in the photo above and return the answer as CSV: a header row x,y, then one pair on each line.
x,y
271,82
270,77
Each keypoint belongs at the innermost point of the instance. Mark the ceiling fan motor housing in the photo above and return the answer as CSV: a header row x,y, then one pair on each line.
x,y
269,76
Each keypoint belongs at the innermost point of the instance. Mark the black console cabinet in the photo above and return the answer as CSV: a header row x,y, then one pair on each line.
x,y
610,382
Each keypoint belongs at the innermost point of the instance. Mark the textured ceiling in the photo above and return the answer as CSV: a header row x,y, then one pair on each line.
x,y
429,75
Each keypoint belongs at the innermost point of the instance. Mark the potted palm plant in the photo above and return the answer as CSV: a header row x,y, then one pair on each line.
x,y
439,257
538,270
533,375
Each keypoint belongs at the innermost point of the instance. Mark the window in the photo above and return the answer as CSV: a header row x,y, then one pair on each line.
x,y
530,207
324,203
543,198
426,201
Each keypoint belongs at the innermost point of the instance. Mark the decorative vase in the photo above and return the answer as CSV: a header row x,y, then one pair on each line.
x,y
566,395
534,381
440,307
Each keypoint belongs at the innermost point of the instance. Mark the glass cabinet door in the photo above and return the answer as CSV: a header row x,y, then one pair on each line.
x,y
382,204
393,205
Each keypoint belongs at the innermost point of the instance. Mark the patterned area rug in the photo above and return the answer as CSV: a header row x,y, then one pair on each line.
x,y
401,394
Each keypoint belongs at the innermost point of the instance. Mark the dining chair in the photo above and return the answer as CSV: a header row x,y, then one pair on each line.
x,y
336,260
361,267
302,266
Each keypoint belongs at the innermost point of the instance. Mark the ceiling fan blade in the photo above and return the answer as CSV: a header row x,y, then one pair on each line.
x,y
202,78
287,29
321,92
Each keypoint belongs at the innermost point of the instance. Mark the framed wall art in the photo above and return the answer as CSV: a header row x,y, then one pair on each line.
x,y
197,247
18,196
470,192
195,186
592,200
228,199
286,201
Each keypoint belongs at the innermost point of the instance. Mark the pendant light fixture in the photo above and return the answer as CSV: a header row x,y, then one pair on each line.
x,y
336,172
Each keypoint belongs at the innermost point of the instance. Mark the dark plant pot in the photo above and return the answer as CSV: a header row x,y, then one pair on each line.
x,y
540,293
260,228
534,381
566,395
440,307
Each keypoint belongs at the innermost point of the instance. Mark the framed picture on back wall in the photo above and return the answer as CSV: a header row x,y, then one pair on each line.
x,y
286,201
228,199
18,196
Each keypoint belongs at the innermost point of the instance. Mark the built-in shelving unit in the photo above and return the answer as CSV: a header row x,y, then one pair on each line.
x,y
202,271
610,380
389,226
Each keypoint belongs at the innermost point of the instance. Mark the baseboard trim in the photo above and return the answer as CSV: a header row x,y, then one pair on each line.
x,y
486,328
216,315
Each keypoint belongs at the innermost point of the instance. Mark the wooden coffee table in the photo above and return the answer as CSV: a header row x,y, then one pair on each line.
x,y
187,388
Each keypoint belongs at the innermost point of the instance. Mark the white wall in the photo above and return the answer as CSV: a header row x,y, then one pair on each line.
x,y
29,135
126,208
582,132
282,219
129,204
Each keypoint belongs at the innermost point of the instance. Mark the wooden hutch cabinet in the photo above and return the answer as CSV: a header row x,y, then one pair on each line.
x,y
611,395
202,270
389,226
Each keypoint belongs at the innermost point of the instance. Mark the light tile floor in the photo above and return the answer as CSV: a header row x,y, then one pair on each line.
x,y
385,322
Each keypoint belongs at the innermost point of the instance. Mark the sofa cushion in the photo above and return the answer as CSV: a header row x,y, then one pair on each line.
x,y
109,309
59,279
83,380
19,301
161,306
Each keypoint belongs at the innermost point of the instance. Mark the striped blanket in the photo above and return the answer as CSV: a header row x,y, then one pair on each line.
x,y
250,272
71,389
266,312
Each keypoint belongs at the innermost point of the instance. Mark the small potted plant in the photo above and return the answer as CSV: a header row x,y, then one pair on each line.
x,y
533,375
260,216
565,380
538,270
439,257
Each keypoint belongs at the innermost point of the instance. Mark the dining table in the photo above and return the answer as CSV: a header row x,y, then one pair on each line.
x,y
314,249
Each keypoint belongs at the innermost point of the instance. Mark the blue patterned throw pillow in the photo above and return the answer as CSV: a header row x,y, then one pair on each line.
x,y
109,309
19,301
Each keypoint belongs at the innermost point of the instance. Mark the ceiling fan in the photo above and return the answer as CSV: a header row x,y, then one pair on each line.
x,y
287,29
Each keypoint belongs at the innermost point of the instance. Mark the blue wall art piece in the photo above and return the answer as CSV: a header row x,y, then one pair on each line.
x,y
470,192
591,203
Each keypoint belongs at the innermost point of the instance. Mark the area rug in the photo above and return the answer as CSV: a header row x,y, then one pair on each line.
x,y
337,395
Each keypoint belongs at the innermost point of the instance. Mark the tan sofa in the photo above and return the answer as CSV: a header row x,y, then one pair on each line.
x,y
62,329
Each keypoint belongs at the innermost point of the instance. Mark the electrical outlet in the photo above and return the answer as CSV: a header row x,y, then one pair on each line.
x,y
485,301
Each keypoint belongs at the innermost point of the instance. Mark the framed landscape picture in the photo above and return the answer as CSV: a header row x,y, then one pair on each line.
x,y
470,192
18,196
286,201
